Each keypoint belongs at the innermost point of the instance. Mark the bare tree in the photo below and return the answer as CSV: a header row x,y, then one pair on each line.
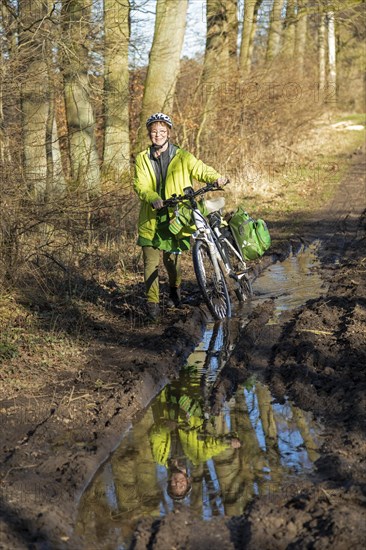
x,y
332,74
8,48
249,25
275,28
116,157
79,110
215,67
322,48
252,35
233,23
288,32
164,60
35,92
300,36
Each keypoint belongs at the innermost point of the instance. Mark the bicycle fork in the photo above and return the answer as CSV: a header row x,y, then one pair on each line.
x,y
214,254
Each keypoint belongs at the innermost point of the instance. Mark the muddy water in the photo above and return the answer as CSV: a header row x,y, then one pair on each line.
x,y
181,452
292,282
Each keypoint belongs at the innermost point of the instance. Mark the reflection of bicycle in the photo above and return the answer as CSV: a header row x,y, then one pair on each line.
x,y
187,433
216,260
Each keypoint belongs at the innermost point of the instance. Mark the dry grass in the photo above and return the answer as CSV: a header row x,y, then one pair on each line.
x,y
306,177
32,357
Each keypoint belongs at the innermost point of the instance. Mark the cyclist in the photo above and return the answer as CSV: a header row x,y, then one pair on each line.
x,y
164,169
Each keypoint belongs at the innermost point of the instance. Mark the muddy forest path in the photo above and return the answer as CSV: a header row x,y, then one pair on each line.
x,y
53,443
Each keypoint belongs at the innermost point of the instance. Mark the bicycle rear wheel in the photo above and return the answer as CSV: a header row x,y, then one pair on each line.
x,y
212,284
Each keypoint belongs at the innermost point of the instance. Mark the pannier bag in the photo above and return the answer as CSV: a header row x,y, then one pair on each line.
x,y
251,236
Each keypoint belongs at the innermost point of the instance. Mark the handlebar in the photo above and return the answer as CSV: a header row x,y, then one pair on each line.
x,y
191,194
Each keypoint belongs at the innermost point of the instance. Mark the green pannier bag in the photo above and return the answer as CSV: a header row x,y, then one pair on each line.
x,y
251,236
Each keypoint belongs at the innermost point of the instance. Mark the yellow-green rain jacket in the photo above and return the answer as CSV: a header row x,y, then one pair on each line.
x,y
197,446
182,170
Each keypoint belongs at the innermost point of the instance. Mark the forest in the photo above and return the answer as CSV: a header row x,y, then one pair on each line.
x,y
79,78
102,409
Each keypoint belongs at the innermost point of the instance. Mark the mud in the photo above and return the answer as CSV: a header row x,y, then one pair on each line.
x,y
52,444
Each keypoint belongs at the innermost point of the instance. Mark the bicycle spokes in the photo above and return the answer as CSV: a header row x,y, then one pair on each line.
x,y
211,281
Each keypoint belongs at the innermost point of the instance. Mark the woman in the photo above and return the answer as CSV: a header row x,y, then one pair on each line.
x,y
164,169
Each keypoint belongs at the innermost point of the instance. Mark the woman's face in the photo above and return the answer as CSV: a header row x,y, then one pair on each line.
x,y
179,483
159,133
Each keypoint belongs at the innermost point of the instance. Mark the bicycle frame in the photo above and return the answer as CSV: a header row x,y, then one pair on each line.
x,y
219,249
213,237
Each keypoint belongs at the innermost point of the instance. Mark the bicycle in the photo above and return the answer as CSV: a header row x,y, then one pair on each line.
x,y
216,260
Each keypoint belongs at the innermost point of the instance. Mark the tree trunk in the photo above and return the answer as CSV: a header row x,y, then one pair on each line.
x,y
322,47
275,29
332,70
215,68
247,36
232,21
252,35
55,184
116,157
35,91
300,37
164,61
288,45
79,112
7,51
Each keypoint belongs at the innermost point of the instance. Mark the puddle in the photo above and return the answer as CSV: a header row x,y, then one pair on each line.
x,y
219,461
291,282
181,453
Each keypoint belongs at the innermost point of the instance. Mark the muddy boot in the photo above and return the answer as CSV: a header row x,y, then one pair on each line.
x,y
153,311
174,297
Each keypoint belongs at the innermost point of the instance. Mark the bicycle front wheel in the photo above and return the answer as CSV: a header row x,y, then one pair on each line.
x,y
212,283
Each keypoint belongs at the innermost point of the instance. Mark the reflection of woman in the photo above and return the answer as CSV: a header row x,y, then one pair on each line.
x,y
179,481
179,437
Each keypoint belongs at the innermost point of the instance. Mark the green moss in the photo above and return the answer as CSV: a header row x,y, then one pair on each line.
x,y
8,349
356,118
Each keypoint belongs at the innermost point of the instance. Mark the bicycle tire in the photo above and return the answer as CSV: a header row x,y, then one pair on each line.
x,y
214,290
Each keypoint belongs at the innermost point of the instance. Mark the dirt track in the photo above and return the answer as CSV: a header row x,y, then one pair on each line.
x,y
52,445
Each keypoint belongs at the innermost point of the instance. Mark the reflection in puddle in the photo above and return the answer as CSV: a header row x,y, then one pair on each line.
x,y
180,452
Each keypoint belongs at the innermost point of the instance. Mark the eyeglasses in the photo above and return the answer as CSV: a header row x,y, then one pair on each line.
x,y
159,132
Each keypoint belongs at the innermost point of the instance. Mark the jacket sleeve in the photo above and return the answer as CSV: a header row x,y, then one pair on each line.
x,y
160,443
143,183
202,172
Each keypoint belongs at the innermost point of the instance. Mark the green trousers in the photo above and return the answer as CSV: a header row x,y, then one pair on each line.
x,y
172,264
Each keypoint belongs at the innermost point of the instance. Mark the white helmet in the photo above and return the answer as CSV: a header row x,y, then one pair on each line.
x,y
159,117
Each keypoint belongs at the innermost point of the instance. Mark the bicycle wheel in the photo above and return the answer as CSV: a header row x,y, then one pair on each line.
x,y
213,286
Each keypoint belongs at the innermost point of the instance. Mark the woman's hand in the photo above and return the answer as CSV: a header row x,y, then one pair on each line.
x,y
157,204
222,180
